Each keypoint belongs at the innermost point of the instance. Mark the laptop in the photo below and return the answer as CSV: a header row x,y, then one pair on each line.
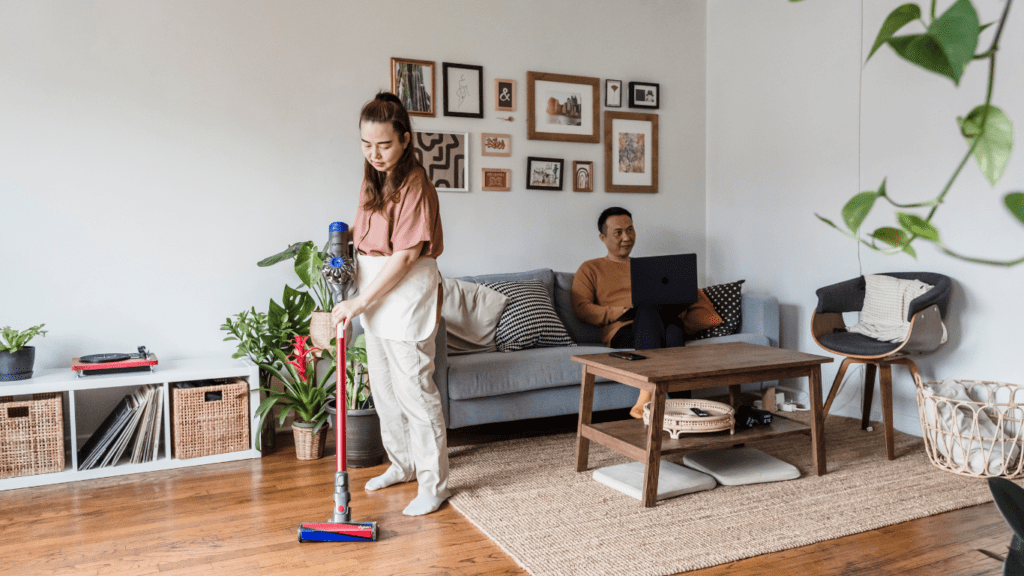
x,y
664,279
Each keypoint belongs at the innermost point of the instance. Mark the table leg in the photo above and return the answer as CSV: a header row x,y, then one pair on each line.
x,y
817,422
586,413
652,467
734,395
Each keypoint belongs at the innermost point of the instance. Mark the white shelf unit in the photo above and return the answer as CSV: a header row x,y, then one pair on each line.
x,y
75,388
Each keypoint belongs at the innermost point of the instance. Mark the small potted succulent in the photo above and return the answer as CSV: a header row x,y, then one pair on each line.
x,y
304,396
17,359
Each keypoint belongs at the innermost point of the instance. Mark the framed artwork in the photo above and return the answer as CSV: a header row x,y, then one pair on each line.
x,y
463,90
613,93
445,156
563,108
504,95
544,173
496,179
644,95
582,176
495,144
630,152
413,82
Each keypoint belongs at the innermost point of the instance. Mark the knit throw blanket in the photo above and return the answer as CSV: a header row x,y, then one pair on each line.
x,y
886,306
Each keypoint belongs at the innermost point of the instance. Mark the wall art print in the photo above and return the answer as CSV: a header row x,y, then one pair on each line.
x,y
463,90
495,144
544,173
496,179
613,93
583,176
413,82
644,95
445,156
630,152
563,108
504,95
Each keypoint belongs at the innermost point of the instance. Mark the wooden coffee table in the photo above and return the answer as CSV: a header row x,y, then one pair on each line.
x,y
692,368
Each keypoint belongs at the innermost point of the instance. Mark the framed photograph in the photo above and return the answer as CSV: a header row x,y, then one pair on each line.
x,y
613,93
582,176
544,173
630,152
413,82
496,180
495,144
445,156
644,95
563,108
463,90
504,95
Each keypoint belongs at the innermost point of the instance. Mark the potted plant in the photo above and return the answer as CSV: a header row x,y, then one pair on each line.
x,y
304,396
309,262
362,434
17,359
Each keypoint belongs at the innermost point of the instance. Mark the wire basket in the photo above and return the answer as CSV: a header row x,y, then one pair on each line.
x,y
210,419
31,435
973,428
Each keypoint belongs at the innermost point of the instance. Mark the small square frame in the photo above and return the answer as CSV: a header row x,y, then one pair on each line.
x,y
559,174
495,144
495,179
652,100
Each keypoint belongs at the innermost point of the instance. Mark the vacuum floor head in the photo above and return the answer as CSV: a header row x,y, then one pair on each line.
x,y
338,532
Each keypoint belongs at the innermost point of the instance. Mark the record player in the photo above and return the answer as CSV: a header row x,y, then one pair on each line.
x,y
115,363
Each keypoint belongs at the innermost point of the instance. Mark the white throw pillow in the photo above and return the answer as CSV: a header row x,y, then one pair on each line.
x,y
471,312
886,305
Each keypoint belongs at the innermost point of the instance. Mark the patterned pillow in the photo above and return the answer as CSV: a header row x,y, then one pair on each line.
x,y
726,300
529,319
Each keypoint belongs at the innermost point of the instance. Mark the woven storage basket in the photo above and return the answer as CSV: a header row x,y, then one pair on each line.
x,y
206,423
31,435
986,439
679,419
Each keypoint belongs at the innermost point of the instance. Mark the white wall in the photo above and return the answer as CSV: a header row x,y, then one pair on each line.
x,y
152,152
796,126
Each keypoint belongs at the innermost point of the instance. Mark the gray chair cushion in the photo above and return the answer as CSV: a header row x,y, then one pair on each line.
x,y
856,344
581,332
496,373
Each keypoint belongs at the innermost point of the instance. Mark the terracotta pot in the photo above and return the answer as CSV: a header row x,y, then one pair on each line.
x,y
308,446
17,365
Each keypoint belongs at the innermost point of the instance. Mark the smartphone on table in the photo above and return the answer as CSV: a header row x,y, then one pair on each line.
x,y
627,355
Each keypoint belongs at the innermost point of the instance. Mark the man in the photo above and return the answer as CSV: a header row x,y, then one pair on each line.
x,y
602,296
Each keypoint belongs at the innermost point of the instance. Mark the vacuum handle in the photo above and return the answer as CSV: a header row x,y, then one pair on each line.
x,y
341,402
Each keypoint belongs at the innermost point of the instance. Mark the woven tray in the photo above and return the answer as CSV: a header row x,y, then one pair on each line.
x,y
680,420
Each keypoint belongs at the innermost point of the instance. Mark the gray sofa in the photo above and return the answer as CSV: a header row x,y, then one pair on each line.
x,y
502,387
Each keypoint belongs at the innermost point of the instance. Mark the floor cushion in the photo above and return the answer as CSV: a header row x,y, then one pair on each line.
x,y
673,479
739,466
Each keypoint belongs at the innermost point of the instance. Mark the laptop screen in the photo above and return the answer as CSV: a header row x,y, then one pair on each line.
x,y
664,279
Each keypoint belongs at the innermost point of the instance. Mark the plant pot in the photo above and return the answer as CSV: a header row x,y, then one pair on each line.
x,y
321,330
363,445
308,446
17,365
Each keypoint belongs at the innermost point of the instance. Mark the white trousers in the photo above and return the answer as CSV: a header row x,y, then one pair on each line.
x,y
409,405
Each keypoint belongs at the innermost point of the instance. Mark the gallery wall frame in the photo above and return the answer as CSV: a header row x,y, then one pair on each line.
x,y
563,108
582,176
445,157
644,95
630,152
495,179
504,95
413,82
544,173
463,90
613,93
495,144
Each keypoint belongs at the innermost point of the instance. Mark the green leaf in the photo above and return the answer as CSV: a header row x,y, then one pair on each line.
x,y
995,143
948,46
917,225
308,265
910,250
827,221
1015,204
856,210
891,236
288,253
897,19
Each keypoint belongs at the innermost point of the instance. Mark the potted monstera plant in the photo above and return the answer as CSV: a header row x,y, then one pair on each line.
x,y
17,359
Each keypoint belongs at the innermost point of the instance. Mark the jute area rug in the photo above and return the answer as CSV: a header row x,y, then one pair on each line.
x,y
526,496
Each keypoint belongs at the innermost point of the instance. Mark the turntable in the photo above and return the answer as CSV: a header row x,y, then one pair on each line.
x,y
115,363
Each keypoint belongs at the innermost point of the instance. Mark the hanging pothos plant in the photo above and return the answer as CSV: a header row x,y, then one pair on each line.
x,y
946,46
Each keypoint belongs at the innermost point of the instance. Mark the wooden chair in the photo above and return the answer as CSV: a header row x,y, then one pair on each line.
x,y
925,335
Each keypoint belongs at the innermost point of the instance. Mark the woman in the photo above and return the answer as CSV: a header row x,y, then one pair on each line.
x,y
397,233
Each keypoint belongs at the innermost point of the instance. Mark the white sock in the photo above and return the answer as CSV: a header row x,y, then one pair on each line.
x,y
391,476
424,504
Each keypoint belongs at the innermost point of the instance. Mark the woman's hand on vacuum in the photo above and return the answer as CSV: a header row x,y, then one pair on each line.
x,y
344,311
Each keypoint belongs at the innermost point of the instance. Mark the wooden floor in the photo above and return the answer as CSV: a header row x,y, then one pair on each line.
x,y
241,518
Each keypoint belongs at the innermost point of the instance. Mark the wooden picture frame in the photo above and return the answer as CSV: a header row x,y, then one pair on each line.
x,y
630,152
408,83
445,157
495,179
613,93
569,109
504,95
582,176
463,90
644,95
495,144
544,173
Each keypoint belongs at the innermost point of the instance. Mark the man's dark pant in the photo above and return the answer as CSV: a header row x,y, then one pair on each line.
x,y
653,327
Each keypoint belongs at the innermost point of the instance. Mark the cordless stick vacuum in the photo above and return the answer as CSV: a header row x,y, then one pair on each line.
x,y
340,527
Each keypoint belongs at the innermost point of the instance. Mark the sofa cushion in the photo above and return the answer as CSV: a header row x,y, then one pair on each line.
x,y
581,332
726,298
529,319
471,312
494,373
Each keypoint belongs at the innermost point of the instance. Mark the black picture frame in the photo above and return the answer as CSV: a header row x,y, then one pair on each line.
x,y
534,183
652,100
457,104
613,97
